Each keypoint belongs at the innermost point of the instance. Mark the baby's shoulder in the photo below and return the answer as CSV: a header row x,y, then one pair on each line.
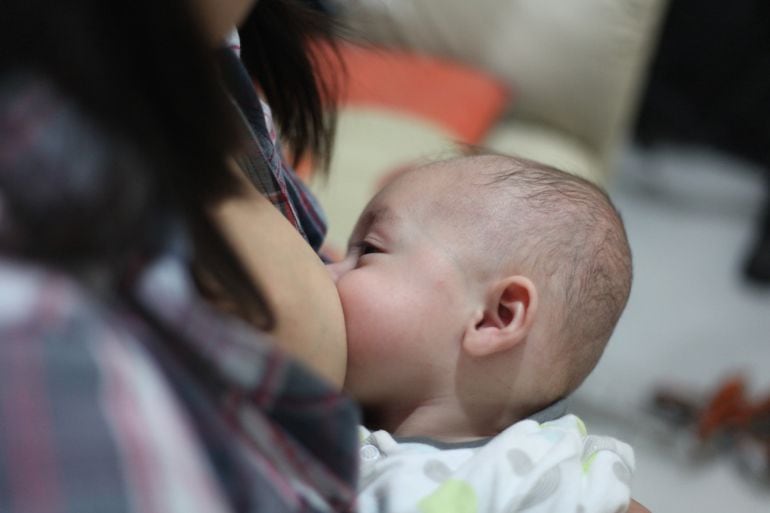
x,y
562,439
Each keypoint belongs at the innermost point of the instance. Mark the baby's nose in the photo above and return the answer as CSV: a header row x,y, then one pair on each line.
x,y
336,270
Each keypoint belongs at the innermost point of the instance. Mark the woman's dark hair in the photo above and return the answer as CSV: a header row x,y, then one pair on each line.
x,y
143,72
278,45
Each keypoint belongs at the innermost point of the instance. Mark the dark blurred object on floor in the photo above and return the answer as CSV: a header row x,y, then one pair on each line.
x,y
728,421
758,264
710,84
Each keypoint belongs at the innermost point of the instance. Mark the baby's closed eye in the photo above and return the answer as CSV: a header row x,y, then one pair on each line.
x,y
367,248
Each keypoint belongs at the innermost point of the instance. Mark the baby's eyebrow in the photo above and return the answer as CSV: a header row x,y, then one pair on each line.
x,y
379,214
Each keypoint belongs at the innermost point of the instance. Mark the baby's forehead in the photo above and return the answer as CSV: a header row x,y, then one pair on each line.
x,y
431,193
446,198
446,179
456,192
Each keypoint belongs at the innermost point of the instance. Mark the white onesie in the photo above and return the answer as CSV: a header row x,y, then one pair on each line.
x,y
551,467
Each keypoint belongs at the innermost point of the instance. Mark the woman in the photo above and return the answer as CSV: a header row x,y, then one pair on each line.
x,y
119,389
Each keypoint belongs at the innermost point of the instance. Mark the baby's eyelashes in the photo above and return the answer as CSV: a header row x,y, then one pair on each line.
x,y
358,250
367,248
363,247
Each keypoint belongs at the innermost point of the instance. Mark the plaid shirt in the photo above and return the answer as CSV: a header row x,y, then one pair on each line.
x,y
262,159
155,403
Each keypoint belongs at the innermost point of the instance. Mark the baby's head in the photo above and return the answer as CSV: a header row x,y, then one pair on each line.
x,y
492,282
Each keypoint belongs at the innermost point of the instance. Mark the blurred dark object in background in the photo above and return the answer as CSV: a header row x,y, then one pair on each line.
x,y
710,84
758,264
728,421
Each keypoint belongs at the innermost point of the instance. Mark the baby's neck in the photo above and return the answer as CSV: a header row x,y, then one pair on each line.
x,y
443,420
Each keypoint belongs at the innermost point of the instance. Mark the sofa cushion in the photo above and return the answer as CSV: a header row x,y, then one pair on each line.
x,y
464,100
549,146
576,63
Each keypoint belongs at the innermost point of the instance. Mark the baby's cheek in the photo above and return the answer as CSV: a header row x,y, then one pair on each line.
x,y
365,334
371,318
362,326
357,297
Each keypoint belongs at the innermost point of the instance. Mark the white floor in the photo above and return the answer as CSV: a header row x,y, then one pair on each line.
x,y
691,320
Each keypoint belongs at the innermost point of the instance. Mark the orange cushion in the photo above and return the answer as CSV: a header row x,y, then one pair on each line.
x,y
463,100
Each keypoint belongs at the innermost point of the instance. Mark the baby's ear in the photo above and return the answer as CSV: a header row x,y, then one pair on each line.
x,y
506,319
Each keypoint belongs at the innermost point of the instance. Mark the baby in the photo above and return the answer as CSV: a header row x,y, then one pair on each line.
x,y
476,292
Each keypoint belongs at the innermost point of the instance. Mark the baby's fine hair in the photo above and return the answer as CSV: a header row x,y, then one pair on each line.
x,y
568,233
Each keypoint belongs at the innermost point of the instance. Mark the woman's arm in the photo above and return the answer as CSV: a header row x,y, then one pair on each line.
x,y
635,507
309,320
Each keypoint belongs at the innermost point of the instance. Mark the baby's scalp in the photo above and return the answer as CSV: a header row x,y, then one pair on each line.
x,y
513,215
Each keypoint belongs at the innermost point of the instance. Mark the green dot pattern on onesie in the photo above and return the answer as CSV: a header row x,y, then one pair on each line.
x,y
588,462
454,496
581,427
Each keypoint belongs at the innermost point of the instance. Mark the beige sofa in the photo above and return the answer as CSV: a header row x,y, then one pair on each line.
x,y
575,66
